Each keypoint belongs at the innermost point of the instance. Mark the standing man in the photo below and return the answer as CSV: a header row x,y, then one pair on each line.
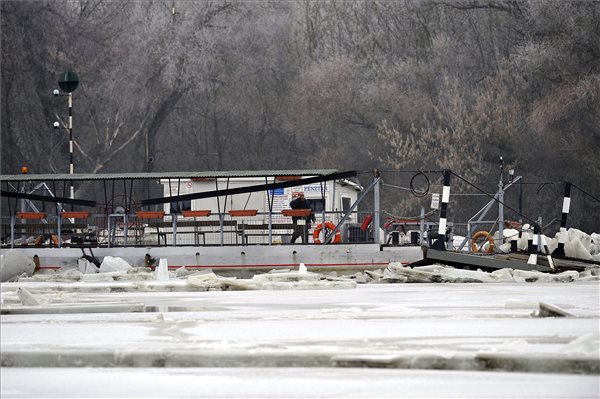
x,y
301,230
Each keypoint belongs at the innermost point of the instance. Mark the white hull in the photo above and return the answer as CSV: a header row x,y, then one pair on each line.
x,y
258,258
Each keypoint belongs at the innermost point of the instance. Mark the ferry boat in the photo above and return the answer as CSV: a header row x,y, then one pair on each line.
x,y
230,221
239,222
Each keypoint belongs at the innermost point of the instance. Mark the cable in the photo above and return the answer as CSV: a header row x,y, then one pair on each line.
x,y
419,194
542,185
411,171
411,217
413,190
494,198
588,194
391,185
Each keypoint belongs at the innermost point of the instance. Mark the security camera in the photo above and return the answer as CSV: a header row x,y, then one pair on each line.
x,y
56,125
55,92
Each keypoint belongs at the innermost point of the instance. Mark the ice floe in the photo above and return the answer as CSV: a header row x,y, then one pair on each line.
x,y
15,264
114,264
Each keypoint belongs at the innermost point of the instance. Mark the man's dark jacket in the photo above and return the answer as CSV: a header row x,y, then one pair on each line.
x,y
302,203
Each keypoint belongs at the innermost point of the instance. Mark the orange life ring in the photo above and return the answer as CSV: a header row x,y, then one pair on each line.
x,y
40,240
478,235
328,226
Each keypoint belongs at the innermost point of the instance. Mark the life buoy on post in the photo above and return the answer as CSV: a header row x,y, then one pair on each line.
x,y
328,227
478,235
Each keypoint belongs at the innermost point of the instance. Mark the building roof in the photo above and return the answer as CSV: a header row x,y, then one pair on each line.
x,y
166,175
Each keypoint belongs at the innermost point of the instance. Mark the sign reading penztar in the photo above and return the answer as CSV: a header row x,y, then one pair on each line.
x,y
313,188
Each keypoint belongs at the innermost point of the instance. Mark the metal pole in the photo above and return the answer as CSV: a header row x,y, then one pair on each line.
x,y
562,235
422,227
71,168
334,202
324,230
439,243
376,222
535,244
500,213
12,231
501,204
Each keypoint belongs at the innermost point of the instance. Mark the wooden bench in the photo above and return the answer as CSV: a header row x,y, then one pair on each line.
x,y
49,227
229,226
194,223
48,230
243,229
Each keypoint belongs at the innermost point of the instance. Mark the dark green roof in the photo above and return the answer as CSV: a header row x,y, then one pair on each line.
x,y
168,175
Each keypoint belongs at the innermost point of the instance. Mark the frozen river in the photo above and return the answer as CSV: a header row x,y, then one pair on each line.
x,y
377,340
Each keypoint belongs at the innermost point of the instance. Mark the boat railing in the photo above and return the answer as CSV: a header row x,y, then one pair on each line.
x,y
193,228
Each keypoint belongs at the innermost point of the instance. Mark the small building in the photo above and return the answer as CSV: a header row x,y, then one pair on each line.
x,y
338,195
330,200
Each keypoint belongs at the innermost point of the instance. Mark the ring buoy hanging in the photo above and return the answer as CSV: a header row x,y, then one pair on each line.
x,y
41,239
328,228
478,235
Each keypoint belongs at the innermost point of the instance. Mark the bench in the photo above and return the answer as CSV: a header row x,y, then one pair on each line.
x,y
49,227
228,226
243,229
192,223
44,231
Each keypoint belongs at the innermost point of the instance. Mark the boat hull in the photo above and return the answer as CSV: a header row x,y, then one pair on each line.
x,y
251,259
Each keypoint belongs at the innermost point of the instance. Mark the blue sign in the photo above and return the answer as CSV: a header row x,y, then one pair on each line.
x,y
277,191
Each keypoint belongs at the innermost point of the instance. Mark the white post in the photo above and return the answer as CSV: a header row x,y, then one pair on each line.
x,y
376,201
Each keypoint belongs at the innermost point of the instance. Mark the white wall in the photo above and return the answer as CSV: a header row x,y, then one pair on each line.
x,y
257,200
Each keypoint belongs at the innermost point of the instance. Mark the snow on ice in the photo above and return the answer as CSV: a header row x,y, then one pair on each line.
x,y
127,331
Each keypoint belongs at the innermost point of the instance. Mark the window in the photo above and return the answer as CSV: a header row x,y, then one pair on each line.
x,y
346,204
316,204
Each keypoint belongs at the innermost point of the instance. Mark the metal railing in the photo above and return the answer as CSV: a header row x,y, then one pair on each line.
x,y
121,230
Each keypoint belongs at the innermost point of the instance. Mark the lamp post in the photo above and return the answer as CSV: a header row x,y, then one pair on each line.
x,y
68,82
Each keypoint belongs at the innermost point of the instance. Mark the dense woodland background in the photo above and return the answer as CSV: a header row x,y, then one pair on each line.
x,y
395,85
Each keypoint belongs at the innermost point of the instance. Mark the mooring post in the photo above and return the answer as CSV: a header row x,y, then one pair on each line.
x,y
439,243
534,245
562,235
513,243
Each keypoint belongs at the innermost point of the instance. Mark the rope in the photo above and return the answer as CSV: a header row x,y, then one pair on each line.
x,y
588,194
411,217
412,189
419,194
411,171
391,185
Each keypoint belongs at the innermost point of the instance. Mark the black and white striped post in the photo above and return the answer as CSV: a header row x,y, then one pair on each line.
x,y
68,82
562,235
440,243
71,168
534,245
538,244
